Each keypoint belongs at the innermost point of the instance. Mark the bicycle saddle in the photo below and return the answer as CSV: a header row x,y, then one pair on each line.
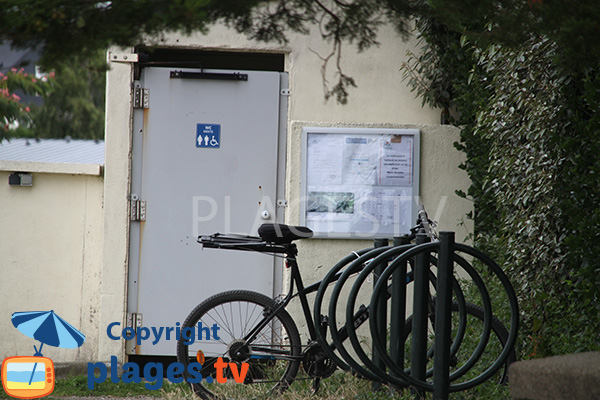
x,y
283,234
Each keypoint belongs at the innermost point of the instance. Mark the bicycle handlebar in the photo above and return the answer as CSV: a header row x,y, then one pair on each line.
x,y
424,224
422,217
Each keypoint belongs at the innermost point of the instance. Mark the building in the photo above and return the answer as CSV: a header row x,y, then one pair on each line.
x,y
106,248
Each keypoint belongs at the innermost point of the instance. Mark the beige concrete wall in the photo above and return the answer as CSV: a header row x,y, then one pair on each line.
x,y
113,296
51,253
381,95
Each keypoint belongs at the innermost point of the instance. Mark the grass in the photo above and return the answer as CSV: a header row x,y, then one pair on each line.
x,y
339,386
76,386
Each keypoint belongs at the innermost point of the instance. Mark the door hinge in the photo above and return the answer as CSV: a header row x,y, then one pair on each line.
x,y
123,58
138,209
141,97
134,321
285,92
282,203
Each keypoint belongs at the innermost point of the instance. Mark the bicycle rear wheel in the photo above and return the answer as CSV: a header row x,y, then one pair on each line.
x,y
273,353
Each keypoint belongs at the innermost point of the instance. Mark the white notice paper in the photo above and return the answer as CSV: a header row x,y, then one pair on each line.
x,y
325,160
395,167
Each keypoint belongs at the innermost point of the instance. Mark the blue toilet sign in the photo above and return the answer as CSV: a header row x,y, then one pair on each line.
x,y
208,135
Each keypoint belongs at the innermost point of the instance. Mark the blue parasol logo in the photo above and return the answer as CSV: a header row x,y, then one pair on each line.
x,y
50,329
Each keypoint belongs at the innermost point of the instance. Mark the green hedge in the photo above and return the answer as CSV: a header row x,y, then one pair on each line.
x,y
542,177
530,127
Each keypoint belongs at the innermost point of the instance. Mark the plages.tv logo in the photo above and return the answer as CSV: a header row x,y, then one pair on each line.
x,y
34,377
153,372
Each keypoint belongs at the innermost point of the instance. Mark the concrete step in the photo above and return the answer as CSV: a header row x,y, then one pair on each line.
x,y
568,377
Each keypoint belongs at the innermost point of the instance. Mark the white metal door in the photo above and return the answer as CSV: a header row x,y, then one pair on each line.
x,y
206,158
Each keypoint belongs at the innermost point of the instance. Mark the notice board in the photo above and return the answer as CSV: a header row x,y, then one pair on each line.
x,y
359,182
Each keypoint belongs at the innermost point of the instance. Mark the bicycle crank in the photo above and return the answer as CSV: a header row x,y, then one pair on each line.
x,y
316,363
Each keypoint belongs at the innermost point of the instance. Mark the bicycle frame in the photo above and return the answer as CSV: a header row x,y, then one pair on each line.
x,y
291,252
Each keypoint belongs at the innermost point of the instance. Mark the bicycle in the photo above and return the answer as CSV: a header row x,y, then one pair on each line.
x,y
257,330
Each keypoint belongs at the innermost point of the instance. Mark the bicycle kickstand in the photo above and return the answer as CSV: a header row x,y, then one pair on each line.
x,y
316,385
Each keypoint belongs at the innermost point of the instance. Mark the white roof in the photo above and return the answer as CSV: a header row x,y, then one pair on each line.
x,y
53,150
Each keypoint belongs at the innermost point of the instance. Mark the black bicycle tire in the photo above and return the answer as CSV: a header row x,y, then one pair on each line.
x,y
497,327
244,296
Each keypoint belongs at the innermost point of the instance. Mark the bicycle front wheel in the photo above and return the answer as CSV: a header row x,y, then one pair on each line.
x,y
242,333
